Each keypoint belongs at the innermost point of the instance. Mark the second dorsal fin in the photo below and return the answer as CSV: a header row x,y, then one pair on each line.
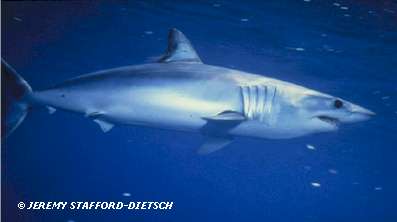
x,y
179,49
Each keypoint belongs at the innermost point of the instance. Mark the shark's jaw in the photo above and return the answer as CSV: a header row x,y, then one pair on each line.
x,y
334,121
329,120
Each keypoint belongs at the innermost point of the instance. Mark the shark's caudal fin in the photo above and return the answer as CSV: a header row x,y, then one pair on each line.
x,y
14,90
179,49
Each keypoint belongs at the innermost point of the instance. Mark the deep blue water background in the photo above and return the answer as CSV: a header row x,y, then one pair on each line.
x,y
65,157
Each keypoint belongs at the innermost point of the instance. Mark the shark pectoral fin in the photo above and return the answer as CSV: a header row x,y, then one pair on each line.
x,y
105,126
213,144
179,49
217,130
227,116
51,110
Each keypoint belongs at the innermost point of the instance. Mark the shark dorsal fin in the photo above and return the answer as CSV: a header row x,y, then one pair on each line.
x,y
179,49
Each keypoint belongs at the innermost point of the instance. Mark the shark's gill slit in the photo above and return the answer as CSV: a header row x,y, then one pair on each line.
x,y
257,95
273,99
252,101
245,100
261,100
256,102
264,103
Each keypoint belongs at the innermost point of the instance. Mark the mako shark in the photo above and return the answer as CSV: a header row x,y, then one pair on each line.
x,y
180,92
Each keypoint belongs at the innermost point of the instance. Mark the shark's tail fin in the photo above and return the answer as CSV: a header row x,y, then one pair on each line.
x,y
14,90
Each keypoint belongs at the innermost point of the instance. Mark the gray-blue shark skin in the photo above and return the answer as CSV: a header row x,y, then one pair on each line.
x,y
179,92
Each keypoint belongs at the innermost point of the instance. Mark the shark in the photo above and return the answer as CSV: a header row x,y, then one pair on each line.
x,y
180,92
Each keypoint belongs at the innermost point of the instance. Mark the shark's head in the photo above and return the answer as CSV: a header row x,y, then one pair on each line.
x,y
322,112
304,111
285,110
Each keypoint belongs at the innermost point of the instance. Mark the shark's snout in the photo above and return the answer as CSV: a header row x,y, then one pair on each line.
x,y
358,114
362,111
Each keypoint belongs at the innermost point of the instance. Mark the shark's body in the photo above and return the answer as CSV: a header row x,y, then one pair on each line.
x,y
181,93
175,96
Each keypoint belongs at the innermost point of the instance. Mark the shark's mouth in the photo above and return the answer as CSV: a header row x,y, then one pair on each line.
x,y
330,120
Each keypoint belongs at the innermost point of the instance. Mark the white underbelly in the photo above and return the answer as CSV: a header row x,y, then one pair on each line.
x,y
170,108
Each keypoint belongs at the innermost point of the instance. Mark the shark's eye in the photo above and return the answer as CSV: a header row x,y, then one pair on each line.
x,y
338,104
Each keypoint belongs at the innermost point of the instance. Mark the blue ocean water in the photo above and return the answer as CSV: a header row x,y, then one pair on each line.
x,y
344,48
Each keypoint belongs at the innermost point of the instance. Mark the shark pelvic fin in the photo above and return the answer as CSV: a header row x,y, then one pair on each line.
x,y
105,126
51,110
213,144
179,49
